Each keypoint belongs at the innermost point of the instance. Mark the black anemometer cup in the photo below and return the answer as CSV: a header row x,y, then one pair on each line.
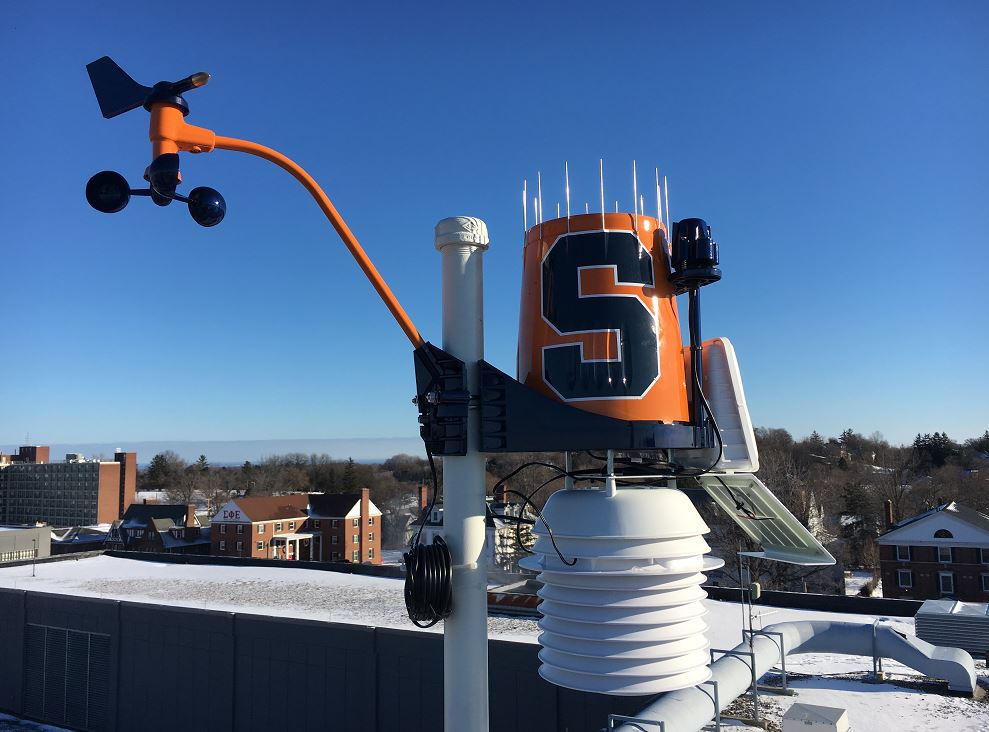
x,y
108,192
207,206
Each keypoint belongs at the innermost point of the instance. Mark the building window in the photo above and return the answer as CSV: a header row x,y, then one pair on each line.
x,y
315,524
946,582
240,529
334,523
943,534
336,555
278,526
370,536
984,556
223,546
260,528
260,545
370,520
223,528
356,556
944,554
333,539
357,522
291,525
240,546
985,583
904,578
370,553
903,553
357,538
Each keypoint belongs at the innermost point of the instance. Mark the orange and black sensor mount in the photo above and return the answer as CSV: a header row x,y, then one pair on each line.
x,y
117,93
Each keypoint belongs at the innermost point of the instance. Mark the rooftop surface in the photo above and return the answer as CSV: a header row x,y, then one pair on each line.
x,y
346,598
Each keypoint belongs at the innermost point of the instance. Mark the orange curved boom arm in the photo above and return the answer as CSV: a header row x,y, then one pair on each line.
x,y
170,133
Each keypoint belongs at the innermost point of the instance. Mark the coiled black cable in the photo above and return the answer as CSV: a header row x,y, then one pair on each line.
x,y
428,571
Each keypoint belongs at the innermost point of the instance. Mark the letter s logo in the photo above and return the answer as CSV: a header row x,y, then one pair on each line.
x,y
600,319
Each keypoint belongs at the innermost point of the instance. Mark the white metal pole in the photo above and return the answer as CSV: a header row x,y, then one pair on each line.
x,y
462,241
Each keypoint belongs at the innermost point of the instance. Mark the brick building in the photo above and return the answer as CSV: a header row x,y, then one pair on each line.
x,y
76,492
263,527
173,529
348,526
943,553
310,527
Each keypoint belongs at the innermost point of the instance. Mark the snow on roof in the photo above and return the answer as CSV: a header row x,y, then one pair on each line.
x,y
954,607
808,713
302,593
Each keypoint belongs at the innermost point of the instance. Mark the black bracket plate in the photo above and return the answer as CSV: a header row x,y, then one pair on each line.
x,y
442,399
514,418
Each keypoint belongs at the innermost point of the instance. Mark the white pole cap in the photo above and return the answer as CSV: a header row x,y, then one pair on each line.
x,y
462,230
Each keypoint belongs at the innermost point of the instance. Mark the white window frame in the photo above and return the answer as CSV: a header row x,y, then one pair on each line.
x,y
900,573
333,539
260,545
370,536
940,556
278,526
370,520
370,553
291,525
223,546
334,523
357,538
357,522
985,583
223,528
315,523
240,529
941,576
900,550
356,555
983,555
260,528
240,546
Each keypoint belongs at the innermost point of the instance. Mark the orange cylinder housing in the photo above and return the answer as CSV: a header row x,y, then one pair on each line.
x,y
598,325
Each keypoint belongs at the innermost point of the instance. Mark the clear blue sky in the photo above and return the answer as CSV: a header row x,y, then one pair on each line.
x,y
839,150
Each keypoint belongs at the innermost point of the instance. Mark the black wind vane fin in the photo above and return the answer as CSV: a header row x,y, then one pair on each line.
x,y
115,90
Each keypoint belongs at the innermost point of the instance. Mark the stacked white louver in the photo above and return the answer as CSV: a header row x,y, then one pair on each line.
x,y
627,617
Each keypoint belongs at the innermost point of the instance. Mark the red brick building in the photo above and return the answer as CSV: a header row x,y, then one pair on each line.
x,y
76,492
263,527
349,527
310,527
943,553
155,527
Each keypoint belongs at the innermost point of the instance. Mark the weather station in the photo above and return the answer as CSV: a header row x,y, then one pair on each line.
x,y
602,368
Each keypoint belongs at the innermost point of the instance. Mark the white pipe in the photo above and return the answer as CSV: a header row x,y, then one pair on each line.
x,y
462,241
688,710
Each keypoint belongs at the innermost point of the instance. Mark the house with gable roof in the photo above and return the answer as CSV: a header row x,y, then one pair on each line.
x,y
341,527
942,553
155,527
348,525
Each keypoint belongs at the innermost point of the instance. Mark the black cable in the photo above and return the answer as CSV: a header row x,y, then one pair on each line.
x,y
428,571
740,506
694,327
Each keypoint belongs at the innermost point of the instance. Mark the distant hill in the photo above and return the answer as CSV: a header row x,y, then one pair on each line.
x,y
235,452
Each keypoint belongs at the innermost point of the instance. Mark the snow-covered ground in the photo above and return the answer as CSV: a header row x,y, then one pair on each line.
x,y
857,578
346,598
902,707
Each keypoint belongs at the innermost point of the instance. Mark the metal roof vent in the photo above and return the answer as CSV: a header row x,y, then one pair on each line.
x,y
626,618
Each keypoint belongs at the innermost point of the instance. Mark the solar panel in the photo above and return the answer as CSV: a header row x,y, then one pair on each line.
x,y
765,520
